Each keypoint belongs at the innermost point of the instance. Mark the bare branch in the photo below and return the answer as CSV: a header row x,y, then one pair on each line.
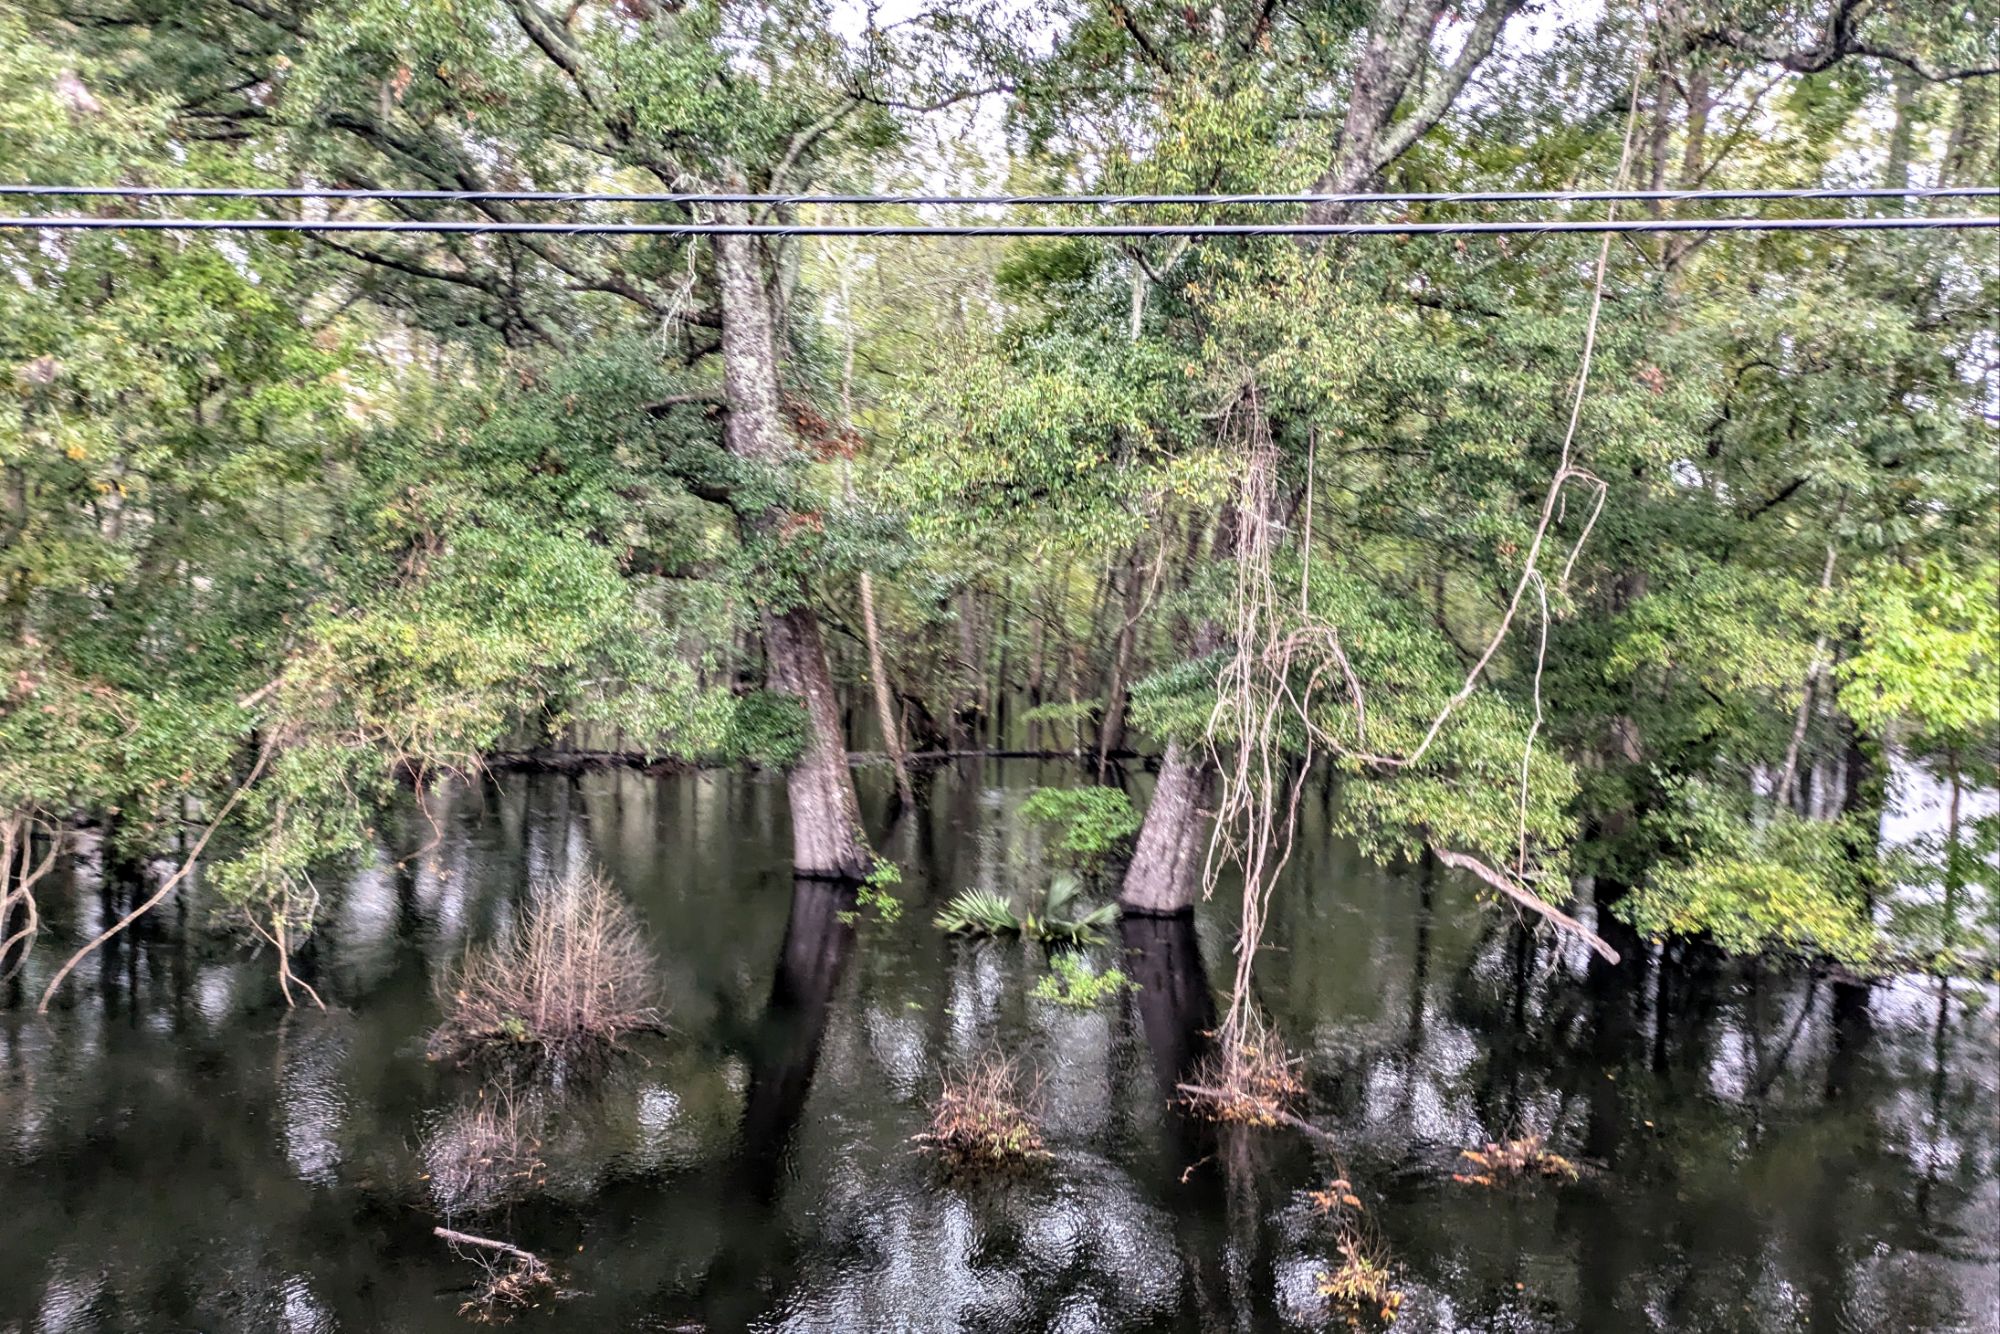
x,y
1837,40
1527,899
1478,46
167,887
1152,53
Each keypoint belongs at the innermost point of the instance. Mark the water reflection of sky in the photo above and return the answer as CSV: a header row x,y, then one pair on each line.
x,y
1762,1152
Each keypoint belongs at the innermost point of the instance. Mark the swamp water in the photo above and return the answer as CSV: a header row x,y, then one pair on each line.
x,y
1761,1150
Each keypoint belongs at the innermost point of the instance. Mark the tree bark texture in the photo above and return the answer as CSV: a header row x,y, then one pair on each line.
x,y
827,838
1165,874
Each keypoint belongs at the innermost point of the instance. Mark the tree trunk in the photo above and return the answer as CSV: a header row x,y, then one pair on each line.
x,y
1383,120
1954,854
1165,874
964,712
1902,130
1968,154
1111,733
997,690
1035,681
827,838
885,706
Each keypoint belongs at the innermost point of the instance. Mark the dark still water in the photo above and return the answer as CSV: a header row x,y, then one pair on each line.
x,y
1763,1151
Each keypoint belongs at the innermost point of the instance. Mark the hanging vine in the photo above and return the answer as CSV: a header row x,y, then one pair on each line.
x,y
1262,731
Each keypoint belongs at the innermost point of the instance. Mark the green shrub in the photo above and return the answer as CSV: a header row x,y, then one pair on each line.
x,y
1072,981
878,892
1091,822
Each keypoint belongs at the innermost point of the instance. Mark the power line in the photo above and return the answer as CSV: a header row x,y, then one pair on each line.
x,y
1092,200
1515,227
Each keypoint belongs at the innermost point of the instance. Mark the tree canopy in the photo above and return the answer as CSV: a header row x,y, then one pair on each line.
x,y
290,519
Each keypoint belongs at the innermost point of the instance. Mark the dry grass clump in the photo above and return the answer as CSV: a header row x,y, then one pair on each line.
x,y
981,1117
1513,1160
485,1154
1362,1291
571,979
1250,1081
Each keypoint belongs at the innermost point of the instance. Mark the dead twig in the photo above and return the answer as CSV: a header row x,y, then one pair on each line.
x,y
507,1248
1527,899
167,887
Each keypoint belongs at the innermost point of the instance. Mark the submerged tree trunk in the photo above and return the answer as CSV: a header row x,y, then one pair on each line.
x,y
962,716
1111,734
1954,855
1166,868
1165,874
827,839
1864,788
885,706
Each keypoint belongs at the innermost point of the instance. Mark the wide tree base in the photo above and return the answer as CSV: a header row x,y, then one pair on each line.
x,y
1164,878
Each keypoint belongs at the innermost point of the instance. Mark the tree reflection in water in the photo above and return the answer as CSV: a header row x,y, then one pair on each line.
x,y
1767,1152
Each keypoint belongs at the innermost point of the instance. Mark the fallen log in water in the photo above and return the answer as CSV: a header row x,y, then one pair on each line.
x,y
507,1248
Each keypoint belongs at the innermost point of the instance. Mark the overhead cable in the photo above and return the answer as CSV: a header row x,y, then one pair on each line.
x,y
1512,227
1000,201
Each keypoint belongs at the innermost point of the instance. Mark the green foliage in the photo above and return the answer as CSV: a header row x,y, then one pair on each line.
x,y
1074,982
1062,711
978,912
981,912
1929,655
1787,885
1177,701
765,729
368,508
1092,822
1061,918
1470,791
1066,430
877,893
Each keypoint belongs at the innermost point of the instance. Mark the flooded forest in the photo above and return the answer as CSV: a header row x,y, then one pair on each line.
x,y
781,665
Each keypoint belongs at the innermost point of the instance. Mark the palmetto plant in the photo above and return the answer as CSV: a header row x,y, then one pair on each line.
x,y
978,912
981,912
1061,918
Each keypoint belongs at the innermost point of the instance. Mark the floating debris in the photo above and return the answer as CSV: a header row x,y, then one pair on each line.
x,y
516,1280
1251,1082
981,1118
1362,1291
1513,1160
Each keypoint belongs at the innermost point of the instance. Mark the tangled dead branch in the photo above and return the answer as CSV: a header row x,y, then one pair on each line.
x,y
516,1280
167,886
983,1118
1252,1081
1267,687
